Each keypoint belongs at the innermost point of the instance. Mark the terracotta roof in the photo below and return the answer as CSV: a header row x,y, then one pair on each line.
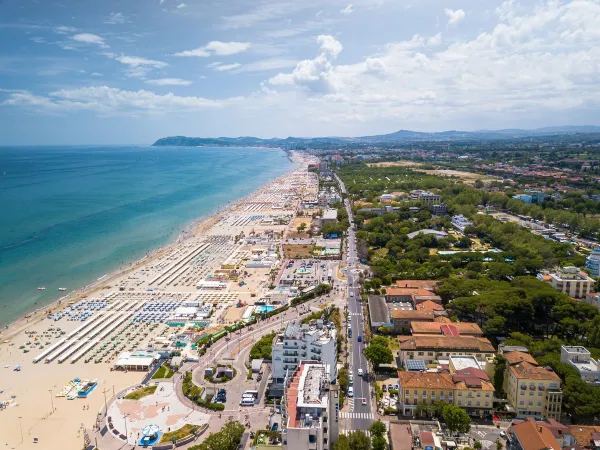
x,y
423,284
526,370
430,306
442,319
535,437
518,357
449,330
447,342
557,429
474,384
426,380
437,327
583,433
411,314
400,291
471,378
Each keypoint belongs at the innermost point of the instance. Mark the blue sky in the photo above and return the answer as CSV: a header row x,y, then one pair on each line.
x,y
132,71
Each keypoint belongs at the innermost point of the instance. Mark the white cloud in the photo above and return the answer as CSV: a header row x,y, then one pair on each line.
x,y
169,82
314,75
454,16
348,10
266,65
181,5
89,38
64,30
97,74
217,48
137,67
545,58
223,67
110,101
434,41
116,19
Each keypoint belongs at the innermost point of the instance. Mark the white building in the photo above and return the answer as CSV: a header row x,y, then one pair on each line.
x,y
593,262
461,222
301,342
310,409
329,215
581,359
572,282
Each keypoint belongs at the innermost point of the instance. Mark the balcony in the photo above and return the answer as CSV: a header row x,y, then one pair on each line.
x,y
290,360
290,353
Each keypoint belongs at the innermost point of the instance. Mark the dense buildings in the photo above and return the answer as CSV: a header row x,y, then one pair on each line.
x,y
581,360
299,342
532,390
310,408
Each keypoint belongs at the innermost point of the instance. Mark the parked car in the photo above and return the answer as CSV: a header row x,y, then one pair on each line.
x,y
350,391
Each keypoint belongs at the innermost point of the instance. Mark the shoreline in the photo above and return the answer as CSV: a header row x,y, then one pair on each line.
x,y
196,227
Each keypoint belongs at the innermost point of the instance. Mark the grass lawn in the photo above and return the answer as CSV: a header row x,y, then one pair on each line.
x,y
184,431
140,393
164,372
393,344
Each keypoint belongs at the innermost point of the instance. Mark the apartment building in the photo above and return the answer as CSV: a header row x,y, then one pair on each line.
x,y
572,281
402,319
581,360
466,385
432,349
299,342
460,222
532,390
310,408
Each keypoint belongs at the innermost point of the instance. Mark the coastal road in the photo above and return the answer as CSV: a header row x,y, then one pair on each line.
x,y
361,416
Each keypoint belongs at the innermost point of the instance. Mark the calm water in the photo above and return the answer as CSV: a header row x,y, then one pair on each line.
x,y
70,215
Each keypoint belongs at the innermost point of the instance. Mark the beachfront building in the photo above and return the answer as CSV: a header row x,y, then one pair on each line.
x,y
592,262
572,281
531,390
139,360
581,360
460,222
300,342
310,412
432,349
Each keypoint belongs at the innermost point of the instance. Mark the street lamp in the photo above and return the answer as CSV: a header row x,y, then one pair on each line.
x,y
126,435
21,426
51,401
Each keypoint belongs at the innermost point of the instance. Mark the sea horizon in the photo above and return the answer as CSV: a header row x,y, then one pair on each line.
x,y
76,213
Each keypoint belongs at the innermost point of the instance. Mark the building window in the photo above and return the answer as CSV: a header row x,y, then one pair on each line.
x,y
430,354
420,353
530,403
521,402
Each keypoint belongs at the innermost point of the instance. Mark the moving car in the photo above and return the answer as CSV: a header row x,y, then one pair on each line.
x,y
359,338
360,371
350,391
364,401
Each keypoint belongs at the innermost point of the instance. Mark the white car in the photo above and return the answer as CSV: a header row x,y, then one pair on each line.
x,y
351,380
350,391
360,372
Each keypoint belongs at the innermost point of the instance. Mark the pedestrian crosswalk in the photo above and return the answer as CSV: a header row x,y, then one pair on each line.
x,y
355,314
353,415
347,432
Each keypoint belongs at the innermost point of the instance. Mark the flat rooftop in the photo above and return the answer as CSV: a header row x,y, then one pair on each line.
x,y
461,362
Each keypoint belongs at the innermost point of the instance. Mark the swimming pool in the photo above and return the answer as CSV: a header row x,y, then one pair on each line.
x,y
264,309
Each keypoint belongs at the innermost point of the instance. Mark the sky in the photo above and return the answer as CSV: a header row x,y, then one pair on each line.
x,y
133,71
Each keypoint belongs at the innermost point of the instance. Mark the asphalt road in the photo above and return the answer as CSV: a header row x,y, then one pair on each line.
x,y
361,416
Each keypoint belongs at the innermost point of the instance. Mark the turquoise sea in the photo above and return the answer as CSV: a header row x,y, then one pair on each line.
x,y
69,215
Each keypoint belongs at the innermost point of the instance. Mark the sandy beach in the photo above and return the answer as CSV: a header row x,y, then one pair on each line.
x,y
220,266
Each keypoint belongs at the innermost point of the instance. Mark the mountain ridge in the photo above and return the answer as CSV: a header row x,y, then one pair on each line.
x,y
396,137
